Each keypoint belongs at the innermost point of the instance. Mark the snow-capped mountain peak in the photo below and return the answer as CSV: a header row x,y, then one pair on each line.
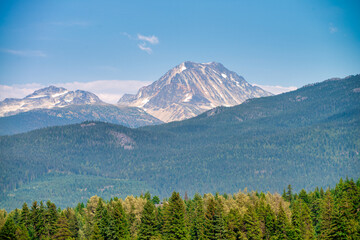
x,y
191,88
47,98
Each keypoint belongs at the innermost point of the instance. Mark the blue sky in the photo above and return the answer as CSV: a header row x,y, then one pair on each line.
x,y
285,43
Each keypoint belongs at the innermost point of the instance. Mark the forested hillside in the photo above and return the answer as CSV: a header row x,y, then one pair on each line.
x,y
308,137
318,214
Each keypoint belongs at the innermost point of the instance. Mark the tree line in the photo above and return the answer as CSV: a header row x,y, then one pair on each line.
x,y
333,213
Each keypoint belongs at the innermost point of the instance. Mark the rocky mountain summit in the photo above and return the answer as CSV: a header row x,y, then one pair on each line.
x,y
190,89
47,98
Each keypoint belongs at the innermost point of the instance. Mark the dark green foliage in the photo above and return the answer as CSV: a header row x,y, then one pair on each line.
x,y
198,219
22,233
233,223
8,231
37,220
252,225
75,187
50,219
281,224
214,221
62,229
96,235
118,227
149,225
174,218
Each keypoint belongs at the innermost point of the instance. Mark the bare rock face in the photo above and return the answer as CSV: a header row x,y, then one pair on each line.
x,y
190,89
47,98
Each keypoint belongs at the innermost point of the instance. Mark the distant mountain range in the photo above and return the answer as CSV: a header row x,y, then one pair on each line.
x,y
47,98
190,89
185,91
53,106
306,138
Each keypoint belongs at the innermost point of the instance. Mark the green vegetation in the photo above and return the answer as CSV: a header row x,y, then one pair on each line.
x,y
318,214
308,137
67,190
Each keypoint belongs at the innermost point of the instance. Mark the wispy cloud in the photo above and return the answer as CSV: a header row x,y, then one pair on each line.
x,y
333,29
276,89
151,39
109,91
143,41
25,53
143,47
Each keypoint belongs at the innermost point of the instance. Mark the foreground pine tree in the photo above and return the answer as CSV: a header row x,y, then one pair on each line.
x,y
148,227
8,230
174,218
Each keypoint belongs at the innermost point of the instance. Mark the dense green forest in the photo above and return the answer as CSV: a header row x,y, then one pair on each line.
x,y
308,137
319,214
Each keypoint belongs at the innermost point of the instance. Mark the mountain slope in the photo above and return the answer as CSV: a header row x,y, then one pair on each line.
x,y
40,118
307,137
49,97
190,89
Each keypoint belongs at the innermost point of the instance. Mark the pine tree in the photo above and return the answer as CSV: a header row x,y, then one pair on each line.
x,y
214,221
295,232
270,219
326,215
289,195
25,216
252,224
198,219
102,219
62,229
233,225
119,228
304,196
50,219
8,230
306,226
343,224
148,226
174,218
37,220
281,224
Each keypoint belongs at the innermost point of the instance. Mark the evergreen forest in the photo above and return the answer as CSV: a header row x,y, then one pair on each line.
x,y
318,214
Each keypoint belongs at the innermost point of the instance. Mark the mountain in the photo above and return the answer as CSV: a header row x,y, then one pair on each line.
x,y
53,106
40,118
49,97
190,89
306,138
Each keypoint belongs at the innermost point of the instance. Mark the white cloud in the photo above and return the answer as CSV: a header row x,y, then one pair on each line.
x,y
276,89
25,53
143,41
151,39
143,47
109,91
